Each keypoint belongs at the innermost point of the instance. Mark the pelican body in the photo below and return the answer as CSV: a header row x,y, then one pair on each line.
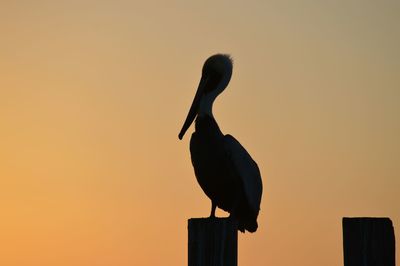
x,y
223,168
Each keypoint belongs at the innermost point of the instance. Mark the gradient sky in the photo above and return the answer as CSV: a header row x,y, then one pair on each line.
x,y
94,93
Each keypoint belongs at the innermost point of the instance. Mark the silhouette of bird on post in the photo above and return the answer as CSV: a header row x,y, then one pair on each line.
x,y
223,168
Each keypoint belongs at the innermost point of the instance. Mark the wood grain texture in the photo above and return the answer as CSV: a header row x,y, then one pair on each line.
x,y
212,242
368,242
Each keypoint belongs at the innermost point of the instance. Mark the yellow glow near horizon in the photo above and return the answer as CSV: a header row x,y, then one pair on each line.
x,y
94,93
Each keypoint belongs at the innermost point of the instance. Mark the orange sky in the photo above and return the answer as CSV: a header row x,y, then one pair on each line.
x,y
94,93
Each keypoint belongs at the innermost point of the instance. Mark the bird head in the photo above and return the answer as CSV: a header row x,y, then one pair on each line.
x,y
216,74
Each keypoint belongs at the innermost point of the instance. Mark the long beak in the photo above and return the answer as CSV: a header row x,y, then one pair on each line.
x,y
194,108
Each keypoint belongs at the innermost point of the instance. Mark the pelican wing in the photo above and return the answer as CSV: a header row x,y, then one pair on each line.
x,y
247,169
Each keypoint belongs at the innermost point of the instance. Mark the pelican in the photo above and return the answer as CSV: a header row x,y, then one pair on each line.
x,y
223,168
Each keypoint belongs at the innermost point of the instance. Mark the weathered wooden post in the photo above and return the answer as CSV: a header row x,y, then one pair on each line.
x,y
212,242
368,242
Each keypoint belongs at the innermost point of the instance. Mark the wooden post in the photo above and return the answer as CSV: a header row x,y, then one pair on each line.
x,y
212,242
368,242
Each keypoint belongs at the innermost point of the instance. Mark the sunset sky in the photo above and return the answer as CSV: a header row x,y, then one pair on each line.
x,y
93,95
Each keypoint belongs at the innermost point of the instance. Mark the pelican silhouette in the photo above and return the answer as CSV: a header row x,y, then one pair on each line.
x,y
223,168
